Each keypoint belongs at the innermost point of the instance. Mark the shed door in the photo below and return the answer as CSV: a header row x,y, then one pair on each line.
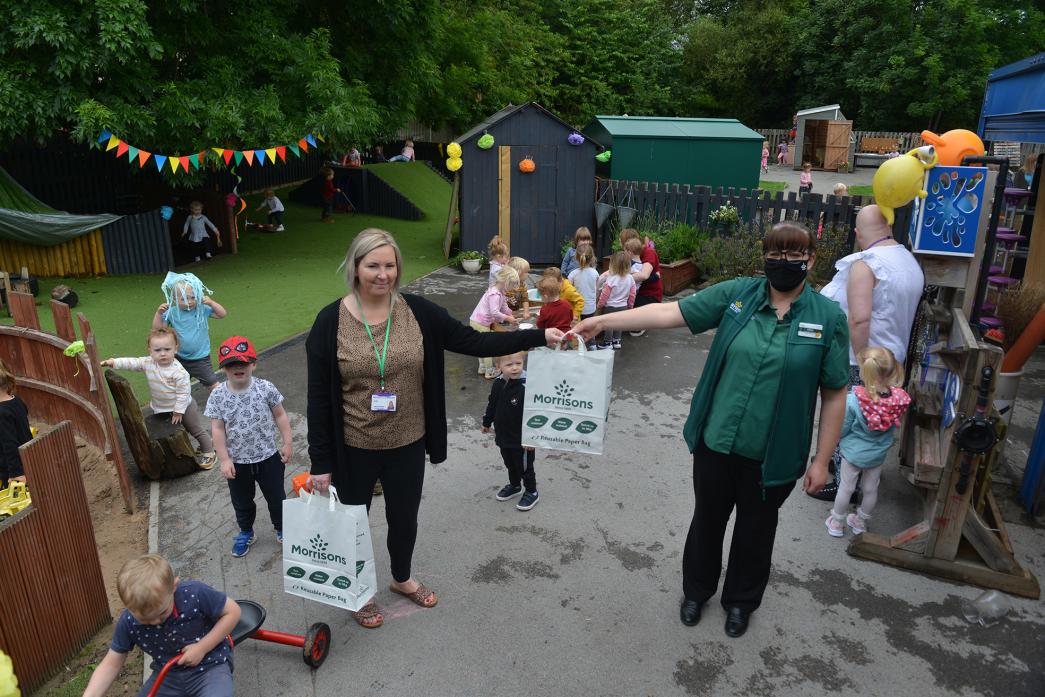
x,y
534,199
837,150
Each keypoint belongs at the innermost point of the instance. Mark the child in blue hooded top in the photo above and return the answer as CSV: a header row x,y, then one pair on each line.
x,y
187,309
872,414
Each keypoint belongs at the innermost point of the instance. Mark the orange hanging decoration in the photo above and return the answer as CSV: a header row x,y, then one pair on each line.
x,y
527,165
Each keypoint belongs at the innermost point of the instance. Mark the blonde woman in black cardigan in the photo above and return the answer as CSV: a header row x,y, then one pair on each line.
x,y
376,396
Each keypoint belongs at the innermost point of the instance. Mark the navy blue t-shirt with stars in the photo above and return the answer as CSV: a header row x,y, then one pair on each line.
x,y
197,608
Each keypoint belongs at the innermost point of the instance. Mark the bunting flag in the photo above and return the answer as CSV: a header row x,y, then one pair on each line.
x,y
228,155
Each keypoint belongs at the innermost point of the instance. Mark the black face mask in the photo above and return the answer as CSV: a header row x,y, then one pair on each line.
x,y
785,275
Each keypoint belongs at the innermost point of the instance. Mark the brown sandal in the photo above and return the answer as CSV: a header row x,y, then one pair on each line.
x,y
423,596
367,615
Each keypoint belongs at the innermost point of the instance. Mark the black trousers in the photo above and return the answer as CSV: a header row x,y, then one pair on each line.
x,y
269,477
722,483
402,474
276,217
519,462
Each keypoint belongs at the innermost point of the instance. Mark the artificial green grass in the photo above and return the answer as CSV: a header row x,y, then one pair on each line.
x,y
771,186
860,190
273,288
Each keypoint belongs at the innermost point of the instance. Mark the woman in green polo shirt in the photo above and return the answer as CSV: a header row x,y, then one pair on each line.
x,y
777,344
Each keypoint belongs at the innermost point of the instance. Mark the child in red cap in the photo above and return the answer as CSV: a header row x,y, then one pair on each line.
x,y
245,412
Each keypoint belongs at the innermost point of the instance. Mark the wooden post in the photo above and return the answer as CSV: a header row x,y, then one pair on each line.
x,y
63,321
23,310
161,449
454,208
504,193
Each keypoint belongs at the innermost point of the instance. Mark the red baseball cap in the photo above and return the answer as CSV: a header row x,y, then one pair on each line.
x,y
236,349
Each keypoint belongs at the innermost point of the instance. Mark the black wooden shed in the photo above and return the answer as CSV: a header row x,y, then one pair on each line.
x,y
533,212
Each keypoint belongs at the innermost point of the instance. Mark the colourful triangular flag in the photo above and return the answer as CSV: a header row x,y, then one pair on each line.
x,y
219,151
249,154
282,152
195,160
228,156
311,140
259,155
271,152
184,160
239,157
294,149
321,138
303,144
160,159
106,135
173,161
143,157
121,149
132,152
113,142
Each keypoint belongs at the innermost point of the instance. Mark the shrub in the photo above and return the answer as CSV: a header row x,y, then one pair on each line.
x,y
724,257
832,246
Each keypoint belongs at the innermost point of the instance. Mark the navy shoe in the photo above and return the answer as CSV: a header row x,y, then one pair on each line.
x,y
241,543
508,492
528,501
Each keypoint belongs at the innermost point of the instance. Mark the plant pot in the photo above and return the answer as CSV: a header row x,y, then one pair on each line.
x,y
471,265
678,275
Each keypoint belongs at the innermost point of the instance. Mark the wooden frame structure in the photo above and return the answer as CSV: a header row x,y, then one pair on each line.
x,y
57,387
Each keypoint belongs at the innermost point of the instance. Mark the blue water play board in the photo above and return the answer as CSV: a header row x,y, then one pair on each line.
x,y
948,220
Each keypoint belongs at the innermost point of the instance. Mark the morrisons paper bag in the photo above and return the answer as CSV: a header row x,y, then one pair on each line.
x,y
567,399
327,553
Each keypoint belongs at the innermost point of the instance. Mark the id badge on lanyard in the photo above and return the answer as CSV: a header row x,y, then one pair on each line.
x,y
383,400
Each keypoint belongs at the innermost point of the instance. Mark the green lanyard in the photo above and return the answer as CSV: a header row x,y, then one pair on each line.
x,y
388,327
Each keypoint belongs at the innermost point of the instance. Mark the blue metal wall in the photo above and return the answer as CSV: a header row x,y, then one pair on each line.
x,y
138,244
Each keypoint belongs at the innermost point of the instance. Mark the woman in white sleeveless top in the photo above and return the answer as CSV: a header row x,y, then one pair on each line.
x,y
879,288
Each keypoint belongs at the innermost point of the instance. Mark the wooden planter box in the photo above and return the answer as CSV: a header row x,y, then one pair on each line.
x,y
674,276
678,275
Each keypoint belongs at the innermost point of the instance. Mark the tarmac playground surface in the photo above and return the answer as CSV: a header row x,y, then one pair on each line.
x,y
580,595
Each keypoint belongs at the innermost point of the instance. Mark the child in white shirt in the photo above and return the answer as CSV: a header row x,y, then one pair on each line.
x,y
618,293
169,388
275,208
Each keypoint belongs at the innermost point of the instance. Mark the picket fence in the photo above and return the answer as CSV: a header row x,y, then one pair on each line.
x,y
693,204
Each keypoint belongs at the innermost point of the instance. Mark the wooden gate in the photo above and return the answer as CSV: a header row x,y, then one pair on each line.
x,y
836,151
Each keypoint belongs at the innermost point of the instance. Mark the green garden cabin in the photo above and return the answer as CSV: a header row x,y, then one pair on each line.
x,y
710,152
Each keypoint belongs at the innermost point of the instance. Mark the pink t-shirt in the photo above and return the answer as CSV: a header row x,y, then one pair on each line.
x,y
805,178
408,152
492,308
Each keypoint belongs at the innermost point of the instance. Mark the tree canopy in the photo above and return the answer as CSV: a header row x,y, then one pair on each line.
x,y
188,74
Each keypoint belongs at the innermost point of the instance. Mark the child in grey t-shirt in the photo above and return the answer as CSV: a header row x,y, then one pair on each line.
x,y
245,412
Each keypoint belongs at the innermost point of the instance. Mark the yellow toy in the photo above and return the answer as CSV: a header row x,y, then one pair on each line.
x,y
899,180
14,498
8,681
954,146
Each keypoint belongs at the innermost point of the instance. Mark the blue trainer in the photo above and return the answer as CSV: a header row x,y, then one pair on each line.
x,y
528,501
279,536
241,543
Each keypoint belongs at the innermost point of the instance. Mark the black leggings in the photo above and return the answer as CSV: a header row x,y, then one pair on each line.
x,y
269,477
402,474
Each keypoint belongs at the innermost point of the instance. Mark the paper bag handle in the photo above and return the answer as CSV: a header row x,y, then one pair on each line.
x,y
332,498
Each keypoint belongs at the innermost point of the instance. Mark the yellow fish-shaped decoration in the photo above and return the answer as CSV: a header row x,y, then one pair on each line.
x,y
899,180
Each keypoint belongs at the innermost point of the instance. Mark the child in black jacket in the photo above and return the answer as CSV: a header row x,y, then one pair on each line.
x,y
504,412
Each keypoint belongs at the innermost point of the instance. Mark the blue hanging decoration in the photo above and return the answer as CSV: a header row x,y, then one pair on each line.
x,y
575,138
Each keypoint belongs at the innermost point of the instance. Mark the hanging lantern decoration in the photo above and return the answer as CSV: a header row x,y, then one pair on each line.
x,y
453,150
485,141
527,165
166,212
454,163
603,156
575,138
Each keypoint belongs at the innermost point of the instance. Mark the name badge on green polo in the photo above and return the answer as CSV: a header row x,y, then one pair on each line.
x,y
810,330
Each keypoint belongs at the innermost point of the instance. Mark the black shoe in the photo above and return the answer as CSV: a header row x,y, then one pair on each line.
x,y
827,493
689,612
508,492
736,621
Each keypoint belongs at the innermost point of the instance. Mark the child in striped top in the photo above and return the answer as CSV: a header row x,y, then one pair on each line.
x,y
169,388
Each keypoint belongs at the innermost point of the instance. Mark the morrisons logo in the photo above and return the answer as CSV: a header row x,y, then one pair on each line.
x,y
563,397
317,549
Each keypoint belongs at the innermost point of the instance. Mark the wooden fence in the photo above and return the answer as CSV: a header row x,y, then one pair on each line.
x,y
908,140
53,598
57,387
693,204
80,256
